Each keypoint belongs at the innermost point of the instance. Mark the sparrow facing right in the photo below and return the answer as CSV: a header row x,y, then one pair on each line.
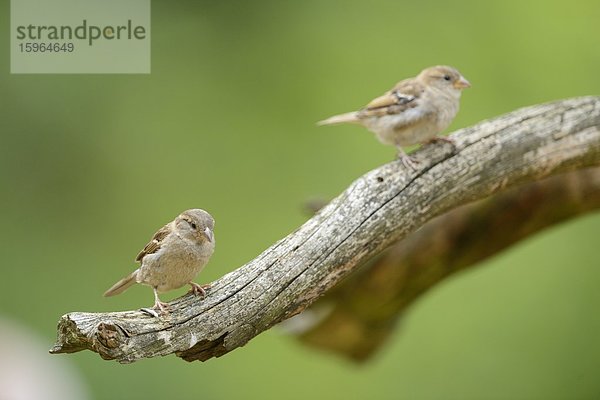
x,y
414,111
174,256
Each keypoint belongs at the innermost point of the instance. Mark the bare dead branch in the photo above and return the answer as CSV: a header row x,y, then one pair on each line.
x,y
356,318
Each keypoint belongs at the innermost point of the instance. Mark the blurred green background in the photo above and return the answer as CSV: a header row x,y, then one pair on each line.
x,y
92,165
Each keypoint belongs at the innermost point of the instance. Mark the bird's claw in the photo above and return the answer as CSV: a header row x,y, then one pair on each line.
x,y
444,139
408,161
157,310
199,290
150,311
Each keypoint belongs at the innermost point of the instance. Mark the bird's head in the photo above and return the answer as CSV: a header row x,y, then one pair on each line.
x,y
196,224
444,78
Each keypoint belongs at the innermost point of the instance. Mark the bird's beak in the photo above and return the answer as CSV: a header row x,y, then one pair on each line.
x,y
209,234
462,83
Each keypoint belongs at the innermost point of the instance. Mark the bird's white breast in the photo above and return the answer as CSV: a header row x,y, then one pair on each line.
x,y
176,263
416,125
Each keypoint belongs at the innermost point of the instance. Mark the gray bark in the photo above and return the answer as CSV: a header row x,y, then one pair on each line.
x,y
358,317
378,209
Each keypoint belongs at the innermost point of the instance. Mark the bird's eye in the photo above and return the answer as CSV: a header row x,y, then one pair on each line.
x,y
193,225
447,77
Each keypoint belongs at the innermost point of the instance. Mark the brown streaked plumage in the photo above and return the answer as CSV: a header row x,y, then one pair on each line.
x,y
414,111
174,256
154,244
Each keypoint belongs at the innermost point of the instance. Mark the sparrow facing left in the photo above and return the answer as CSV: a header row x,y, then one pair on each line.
x,y
414,111
174,256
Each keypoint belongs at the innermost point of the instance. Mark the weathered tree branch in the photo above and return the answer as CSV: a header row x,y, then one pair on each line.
x,y
356,318
377,210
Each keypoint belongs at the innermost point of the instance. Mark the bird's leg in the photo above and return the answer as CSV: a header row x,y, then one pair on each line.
x,y
159,305
198,290
408,161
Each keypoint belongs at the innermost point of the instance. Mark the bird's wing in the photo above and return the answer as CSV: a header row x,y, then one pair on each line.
x,y
406,95
154,244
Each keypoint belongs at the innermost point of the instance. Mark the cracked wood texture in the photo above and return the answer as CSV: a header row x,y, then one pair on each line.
x,y
377,210
357,317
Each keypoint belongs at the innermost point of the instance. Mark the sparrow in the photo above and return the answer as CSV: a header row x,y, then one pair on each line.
x,y
174,256
414,111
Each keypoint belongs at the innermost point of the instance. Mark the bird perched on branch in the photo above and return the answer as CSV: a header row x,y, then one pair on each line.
x,y
414,111
174,256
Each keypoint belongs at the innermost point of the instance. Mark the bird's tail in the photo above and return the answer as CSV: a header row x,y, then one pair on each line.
x,y
122,285
349,118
